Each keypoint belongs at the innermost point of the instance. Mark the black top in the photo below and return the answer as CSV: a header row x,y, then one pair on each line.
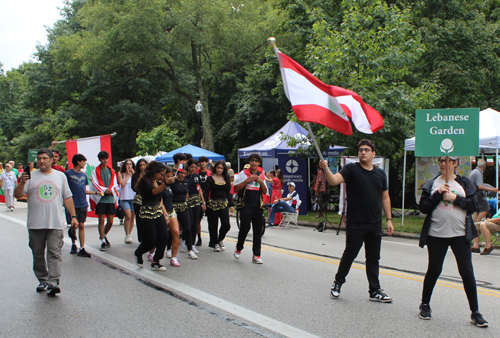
x,y
179,190
135,178
203,179
167,197
217,191
146,190
364,193
194,180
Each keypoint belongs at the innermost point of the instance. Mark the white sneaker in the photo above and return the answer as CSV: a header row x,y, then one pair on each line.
x,y
257,260
237,254
195,250
192,255
174,262
183,246
217,248
128,239
169,253
222,247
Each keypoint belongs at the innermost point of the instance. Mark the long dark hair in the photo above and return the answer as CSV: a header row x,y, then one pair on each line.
x,y
224,171
279,175
151,169
137,174
123,167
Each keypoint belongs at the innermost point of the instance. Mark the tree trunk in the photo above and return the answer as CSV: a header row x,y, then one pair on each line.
x,y
207,141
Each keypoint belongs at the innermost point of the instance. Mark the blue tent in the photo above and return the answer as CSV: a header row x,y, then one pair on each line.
x,y
277,144
190,149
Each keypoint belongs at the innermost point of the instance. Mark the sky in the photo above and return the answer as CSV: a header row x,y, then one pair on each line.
x,y
22,27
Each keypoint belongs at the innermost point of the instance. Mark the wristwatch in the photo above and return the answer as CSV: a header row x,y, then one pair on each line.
x,y
74,217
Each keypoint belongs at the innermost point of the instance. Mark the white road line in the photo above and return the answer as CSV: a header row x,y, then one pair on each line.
x,y
246,314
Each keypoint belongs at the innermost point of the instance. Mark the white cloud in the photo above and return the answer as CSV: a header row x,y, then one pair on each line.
x,y
22,27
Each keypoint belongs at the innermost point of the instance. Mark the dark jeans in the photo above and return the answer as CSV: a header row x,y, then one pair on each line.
x,y
356,235
213,217
256,217
281,206
154,233
437,248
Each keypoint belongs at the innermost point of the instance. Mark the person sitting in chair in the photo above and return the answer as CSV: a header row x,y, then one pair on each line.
x,y
287,204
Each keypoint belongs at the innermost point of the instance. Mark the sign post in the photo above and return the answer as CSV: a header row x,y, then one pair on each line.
x,y
32,155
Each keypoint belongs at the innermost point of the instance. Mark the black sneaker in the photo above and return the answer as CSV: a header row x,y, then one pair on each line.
x,y
83,253
477,318
53,289
73,249
335,291
139,261
424,311
158,267
103,246
108,245
380,296
41,287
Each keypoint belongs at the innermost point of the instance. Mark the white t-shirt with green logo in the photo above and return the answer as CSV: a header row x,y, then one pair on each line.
x,y
46,193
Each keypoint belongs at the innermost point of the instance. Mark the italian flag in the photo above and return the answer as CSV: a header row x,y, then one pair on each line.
x,y
331,106
89,147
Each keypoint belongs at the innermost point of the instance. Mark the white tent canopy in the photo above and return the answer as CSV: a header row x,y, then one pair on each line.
x,y
489,141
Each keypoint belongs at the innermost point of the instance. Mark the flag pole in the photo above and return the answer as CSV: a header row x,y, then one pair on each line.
x,y
314,141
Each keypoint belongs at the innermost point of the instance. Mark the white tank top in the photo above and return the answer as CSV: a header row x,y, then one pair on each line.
x,y
126,192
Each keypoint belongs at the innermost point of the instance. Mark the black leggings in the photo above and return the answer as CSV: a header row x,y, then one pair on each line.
x,y
184,219
437,248
154,233
138,219
213,217
195,218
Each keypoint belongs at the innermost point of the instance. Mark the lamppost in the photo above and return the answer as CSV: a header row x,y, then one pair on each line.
x,y
199,109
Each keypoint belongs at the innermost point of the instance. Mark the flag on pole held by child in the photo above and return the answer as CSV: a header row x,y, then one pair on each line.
x,y
330,106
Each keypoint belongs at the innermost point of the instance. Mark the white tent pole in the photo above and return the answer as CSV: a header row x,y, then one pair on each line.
x,y
404,181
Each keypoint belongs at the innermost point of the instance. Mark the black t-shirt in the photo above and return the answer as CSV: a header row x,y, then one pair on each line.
x,y
179,190
203,179
194,180
146,190
167,197
364,193
217,191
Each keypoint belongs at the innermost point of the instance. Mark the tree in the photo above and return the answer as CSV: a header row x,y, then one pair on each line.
x,y
161,138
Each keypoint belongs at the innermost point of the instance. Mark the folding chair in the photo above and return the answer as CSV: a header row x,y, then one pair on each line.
x,y
497,238
289,218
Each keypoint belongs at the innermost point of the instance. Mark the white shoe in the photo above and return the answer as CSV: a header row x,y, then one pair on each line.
x,y
192,255
128,239
217,248
169,253
222,247
257,260
183,246
195,250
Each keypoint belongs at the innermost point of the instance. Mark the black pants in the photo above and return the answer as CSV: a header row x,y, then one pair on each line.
x,y
184,219
154,233
213,217
195,218
137,208
256,217
356,235
437,248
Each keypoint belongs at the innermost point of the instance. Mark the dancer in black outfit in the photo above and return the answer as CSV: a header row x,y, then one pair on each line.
x,y
171,218
154,232
218,197
196,202
140,170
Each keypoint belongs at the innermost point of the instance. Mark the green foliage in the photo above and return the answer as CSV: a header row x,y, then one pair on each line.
x,y
160,138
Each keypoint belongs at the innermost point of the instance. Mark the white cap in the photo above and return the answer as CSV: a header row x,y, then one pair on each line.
x,y
291,183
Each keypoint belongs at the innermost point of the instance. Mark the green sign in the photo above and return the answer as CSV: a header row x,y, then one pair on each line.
x,y
32,154
447,132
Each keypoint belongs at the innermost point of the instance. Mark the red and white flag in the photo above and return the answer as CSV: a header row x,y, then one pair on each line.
x,y
330,106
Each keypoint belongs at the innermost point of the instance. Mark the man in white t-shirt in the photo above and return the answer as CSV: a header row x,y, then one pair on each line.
x,y
47,191
287,204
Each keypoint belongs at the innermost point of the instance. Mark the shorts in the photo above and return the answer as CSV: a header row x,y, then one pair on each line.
x,y
482,204
105,209
127,204
492,227
81,214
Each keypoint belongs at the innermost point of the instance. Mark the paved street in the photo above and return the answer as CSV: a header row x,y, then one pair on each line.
x,y
217,296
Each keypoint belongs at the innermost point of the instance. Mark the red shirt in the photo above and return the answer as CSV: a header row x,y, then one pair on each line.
x,y
58,167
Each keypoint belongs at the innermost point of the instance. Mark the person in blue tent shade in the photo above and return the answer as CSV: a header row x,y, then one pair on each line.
x,y
449,200
367,195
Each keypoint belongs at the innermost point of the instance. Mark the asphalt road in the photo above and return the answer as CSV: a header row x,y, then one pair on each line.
x,y
217,296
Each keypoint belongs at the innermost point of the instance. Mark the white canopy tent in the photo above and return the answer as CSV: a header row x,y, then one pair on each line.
x,y
489,142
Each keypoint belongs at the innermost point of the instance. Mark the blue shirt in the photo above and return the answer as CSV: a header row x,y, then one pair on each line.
x,y
77,183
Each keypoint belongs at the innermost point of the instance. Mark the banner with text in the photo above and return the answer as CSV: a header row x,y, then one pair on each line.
x,y
447,132
295,170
